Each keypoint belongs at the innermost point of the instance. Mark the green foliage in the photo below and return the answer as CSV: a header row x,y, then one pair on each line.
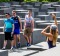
x,y
42,0
5,0
30,0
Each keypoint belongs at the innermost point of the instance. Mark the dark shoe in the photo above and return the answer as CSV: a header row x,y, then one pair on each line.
x,y
18,45
28,44
14,47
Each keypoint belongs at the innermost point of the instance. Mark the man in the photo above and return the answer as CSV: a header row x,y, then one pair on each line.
x,y
17,28
28,27
8,29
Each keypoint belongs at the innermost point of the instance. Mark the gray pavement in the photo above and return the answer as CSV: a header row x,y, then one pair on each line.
x,y
50,52
31,52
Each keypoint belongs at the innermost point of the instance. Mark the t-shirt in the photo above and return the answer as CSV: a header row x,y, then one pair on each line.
x,y
8,25
28,21
16,22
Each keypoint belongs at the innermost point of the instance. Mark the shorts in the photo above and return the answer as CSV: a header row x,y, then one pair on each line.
x,y
27,31
8,36
16,31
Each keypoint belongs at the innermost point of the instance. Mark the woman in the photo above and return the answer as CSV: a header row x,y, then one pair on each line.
x,y
53,34
28,27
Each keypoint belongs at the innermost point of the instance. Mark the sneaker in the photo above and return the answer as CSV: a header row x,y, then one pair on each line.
x,y
3,48
28,44
14,47
18,45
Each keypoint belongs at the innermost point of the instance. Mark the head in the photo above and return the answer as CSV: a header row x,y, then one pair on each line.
x,y
7,15
14,13
30,12
53,30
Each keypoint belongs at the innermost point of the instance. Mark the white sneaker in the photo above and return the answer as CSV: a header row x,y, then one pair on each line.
x,y
3,48
11,48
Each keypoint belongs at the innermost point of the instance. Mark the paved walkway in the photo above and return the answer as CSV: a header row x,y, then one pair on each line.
x,y
38,51
50,52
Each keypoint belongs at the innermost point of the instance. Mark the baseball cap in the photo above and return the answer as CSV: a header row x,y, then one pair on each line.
x,y
53,27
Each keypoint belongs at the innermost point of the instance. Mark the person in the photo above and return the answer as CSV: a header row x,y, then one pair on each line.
x,y
8,30
53,34
28,27
17,28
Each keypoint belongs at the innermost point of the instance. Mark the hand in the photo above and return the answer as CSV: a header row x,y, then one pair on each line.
x,y
48,26
21,30
12,32
32,30
53,16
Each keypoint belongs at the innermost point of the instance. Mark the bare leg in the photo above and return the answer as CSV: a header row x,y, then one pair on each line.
x,y
30,40
14,40
12,44
5,43
26,37
18,36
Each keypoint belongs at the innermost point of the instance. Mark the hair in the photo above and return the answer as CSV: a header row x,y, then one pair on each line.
x,y
30,10
14,11
8,13
53,32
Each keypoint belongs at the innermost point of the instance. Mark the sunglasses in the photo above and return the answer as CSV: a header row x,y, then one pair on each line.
x,y
6,15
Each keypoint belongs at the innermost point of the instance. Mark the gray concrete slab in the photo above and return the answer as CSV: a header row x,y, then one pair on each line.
x,y
40,46
22,52
43,25
35,36
50,52
3,53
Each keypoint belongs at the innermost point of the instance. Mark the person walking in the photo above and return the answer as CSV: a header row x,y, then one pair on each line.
x,y
8,30
17,28
28,27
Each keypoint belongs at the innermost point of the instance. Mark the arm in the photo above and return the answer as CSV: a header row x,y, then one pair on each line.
x,y
45,33
4,28
55,21
32,25
20,23
12,27
54,17
24,24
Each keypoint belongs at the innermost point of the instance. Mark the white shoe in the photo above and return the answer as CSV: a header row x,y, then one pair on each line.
x,y
11,48
3,48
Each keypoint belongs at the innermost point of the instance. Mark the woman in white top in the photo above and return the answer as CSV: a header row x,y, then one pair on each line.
x,y
28,27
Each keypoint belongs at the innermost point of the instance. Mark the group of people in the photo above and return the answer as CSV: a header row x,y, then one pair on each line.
x,y
13,27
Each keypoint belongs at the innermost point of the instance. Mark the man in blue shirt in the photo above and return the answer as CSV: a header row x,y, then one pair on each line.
x,y
17,28
8,29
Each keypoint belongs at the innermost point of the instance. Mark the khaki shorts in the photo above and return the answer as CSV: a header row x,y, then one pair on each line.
x,y
28,31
